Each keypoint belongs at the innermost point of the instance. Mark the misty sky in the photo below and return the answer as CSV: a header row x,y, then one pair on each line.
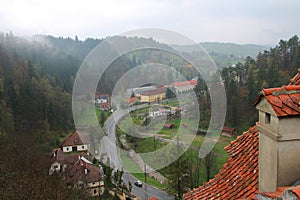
x,y
238,21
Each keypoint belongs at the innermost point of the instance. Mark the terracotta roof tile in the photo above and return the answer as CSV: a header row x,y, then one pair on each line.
x,y
73,140
77,173
276,194
185,83
296,79
285,101
238,179
58,155
280,192
296,190
133,99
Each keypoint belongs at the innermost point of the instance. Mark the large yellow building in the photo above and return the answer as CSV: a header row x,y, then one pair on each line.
x,y
153,95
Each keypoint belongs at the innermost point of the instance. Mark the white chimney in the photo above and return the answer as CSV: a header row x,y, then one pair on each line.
x,y
279,138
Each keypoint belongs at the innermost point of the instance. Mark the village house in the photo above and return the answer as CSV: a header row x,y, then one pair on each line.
x,y
60,160
103,101
228,131
155,95
83,172
57,160
264,161
133,100
169,126
159,112
74,161
75,142
184,86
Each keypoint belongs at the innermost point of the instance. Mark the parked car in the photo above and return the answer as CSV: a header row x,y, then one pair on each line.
x,y
138,183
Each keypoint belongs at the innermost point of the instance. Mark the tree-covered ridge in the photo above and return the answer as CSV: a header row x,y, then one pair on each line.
x,y
271,68
31,98
233,49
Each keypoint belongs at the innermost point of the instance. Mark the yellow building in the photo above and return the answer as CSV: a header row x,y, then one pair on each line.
x,y
153,95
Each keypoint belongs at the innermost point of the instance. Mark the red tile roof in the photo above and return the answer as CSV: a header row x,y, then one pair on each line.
x,y
280,192
276,194
296,79
169,126
133,99
285,101
74,158
185,83
74,140
238,179
296,190
77,173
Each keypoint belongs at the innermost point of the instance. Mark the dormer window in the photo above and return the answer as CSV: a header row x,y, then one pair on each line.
x,y
267,118
75,141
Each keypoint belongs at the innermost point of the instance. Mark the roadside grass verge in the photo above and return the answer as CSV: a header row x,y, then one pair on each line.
x,y
130,165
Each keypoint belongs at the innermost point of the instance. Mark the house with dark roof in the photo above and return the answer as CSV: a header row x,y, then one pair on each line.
x,y
57,159
75,142
61,161
228,131
264,161
169,126
83,172
77,168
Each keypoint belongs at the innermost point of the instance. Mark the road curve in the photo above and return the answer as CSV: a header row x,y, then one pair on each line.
x,y
108,145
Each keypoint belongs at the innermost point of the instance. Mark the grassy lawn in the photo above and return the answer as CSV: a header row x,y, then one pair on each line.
x,y
144,145
88,116
130,165
150,180
173,103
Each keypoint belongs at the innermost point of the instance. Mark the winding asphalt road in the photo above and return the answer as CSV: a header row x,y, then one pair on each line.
x,y
108,145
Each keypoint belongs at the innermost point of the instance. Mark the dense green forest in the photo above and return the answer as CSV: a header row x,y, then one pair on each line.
x,y
36,79
271,68
35,113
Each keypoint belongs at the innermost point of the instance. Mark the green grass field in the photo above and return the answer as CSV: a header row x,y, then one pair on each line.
x,y
150,144
130,165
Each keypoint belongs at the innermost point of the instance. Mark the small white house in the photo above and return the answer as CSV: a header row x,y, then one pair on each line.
x,y
74,142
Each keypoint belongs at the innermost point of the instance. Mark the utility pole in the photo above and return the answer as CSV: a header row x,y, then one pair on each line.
x,y
145,172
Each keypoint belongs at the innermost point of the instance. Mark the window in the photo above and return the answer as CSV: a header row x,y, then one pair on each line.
x,y
67,148
75,141
95,191
268,118
82,147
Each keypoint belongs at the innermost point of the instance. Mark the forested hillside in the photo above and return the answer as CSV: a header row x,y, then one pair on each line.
x,y
37,74
36,80
271,68
35,112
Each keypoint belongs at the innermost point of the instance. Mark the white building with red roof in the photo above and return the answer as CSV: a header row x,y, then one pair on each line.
x,y
75,142
77,167
184,86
